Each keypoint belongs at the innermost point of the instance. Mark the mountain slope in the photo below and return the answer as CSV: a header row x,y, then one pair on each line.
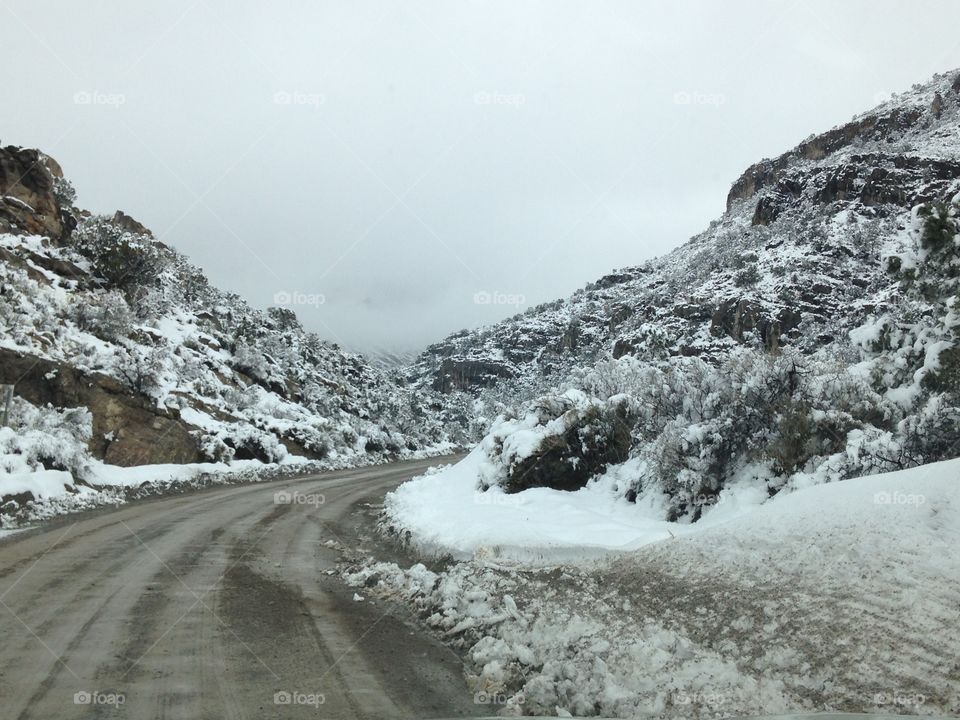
x,y
795,259
121,351
810,334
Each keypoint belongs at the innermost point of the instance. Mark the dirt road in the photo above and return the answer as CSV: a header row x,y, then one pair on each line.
x,y
214,605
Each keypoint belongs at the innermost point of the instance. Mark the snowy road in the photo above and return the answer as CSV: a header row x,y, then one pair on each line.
x,y
211,605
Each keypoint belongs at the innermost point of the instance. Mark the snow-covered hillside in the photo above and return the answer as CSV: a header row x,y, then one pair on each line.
x,y
795,260
122,354
810,334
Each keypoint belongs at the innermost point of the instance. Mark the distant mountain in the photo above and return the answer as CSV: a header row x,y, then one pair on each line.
x,y
389,360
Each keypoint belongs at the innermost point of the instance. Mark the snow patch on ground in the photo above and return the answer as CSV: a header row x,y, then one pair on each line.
x,y
446,513
839,597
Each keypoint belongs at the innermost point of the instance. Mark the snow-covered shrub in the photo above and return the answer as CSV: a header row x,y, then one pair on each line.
x,y
127,261
106,315
64,193
143,369
314,439
45,438
696,427
241,398
214,449
250,360
250,443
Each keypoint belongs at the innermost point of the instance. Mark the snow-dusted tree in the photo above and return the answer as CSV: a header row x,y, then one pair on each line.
x,y
106,315
143,369
127,261
49,438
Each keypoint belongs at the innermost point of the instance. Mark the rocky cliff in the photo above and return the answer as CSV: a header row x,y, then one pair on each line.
x,y
795,260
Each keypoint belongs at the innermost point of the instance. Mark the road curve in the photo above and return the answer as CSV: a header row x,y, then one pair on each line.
x,y
214,604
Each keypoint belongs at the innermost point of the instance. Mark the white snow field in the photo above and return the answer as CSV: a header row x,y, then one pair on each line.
x,y
844,596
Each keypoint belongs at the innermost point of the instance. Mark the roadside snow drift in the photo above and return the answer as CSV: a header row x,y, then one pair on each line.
x,y
839,597
445,512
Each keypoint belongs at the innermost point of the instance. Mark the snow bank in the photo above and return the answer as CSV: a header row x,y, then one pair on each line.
x,y
445,513
839,597
42,484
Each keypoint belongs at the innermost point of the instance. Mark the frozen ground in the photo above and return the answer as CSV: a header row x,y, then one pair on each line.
x,y
838,597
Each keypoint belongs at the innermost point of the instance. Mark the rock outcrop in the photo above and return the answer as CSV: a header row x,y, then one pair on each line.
x,y
127,429
28,203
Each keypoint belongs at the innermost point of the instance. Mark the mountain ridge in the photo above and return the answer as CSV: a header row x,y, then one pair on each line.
x,y
899,154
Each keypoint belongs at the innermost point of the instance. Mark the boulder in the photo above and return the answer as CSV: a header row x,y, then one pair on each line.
x,y
27,201
595,438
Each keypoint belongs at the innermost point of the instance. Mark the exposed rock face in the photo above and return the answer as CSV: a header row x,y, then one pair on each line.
x,y
127,430
27,200
457,374
126,222
871,180
735,318
873,127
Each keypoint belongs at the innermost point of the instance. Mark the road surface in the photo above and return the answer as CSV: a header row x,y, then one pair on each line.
x,y
214,604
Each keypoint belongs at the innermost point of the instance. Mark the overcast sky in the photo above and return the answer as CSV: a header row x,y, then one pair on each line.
x,y
402,170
